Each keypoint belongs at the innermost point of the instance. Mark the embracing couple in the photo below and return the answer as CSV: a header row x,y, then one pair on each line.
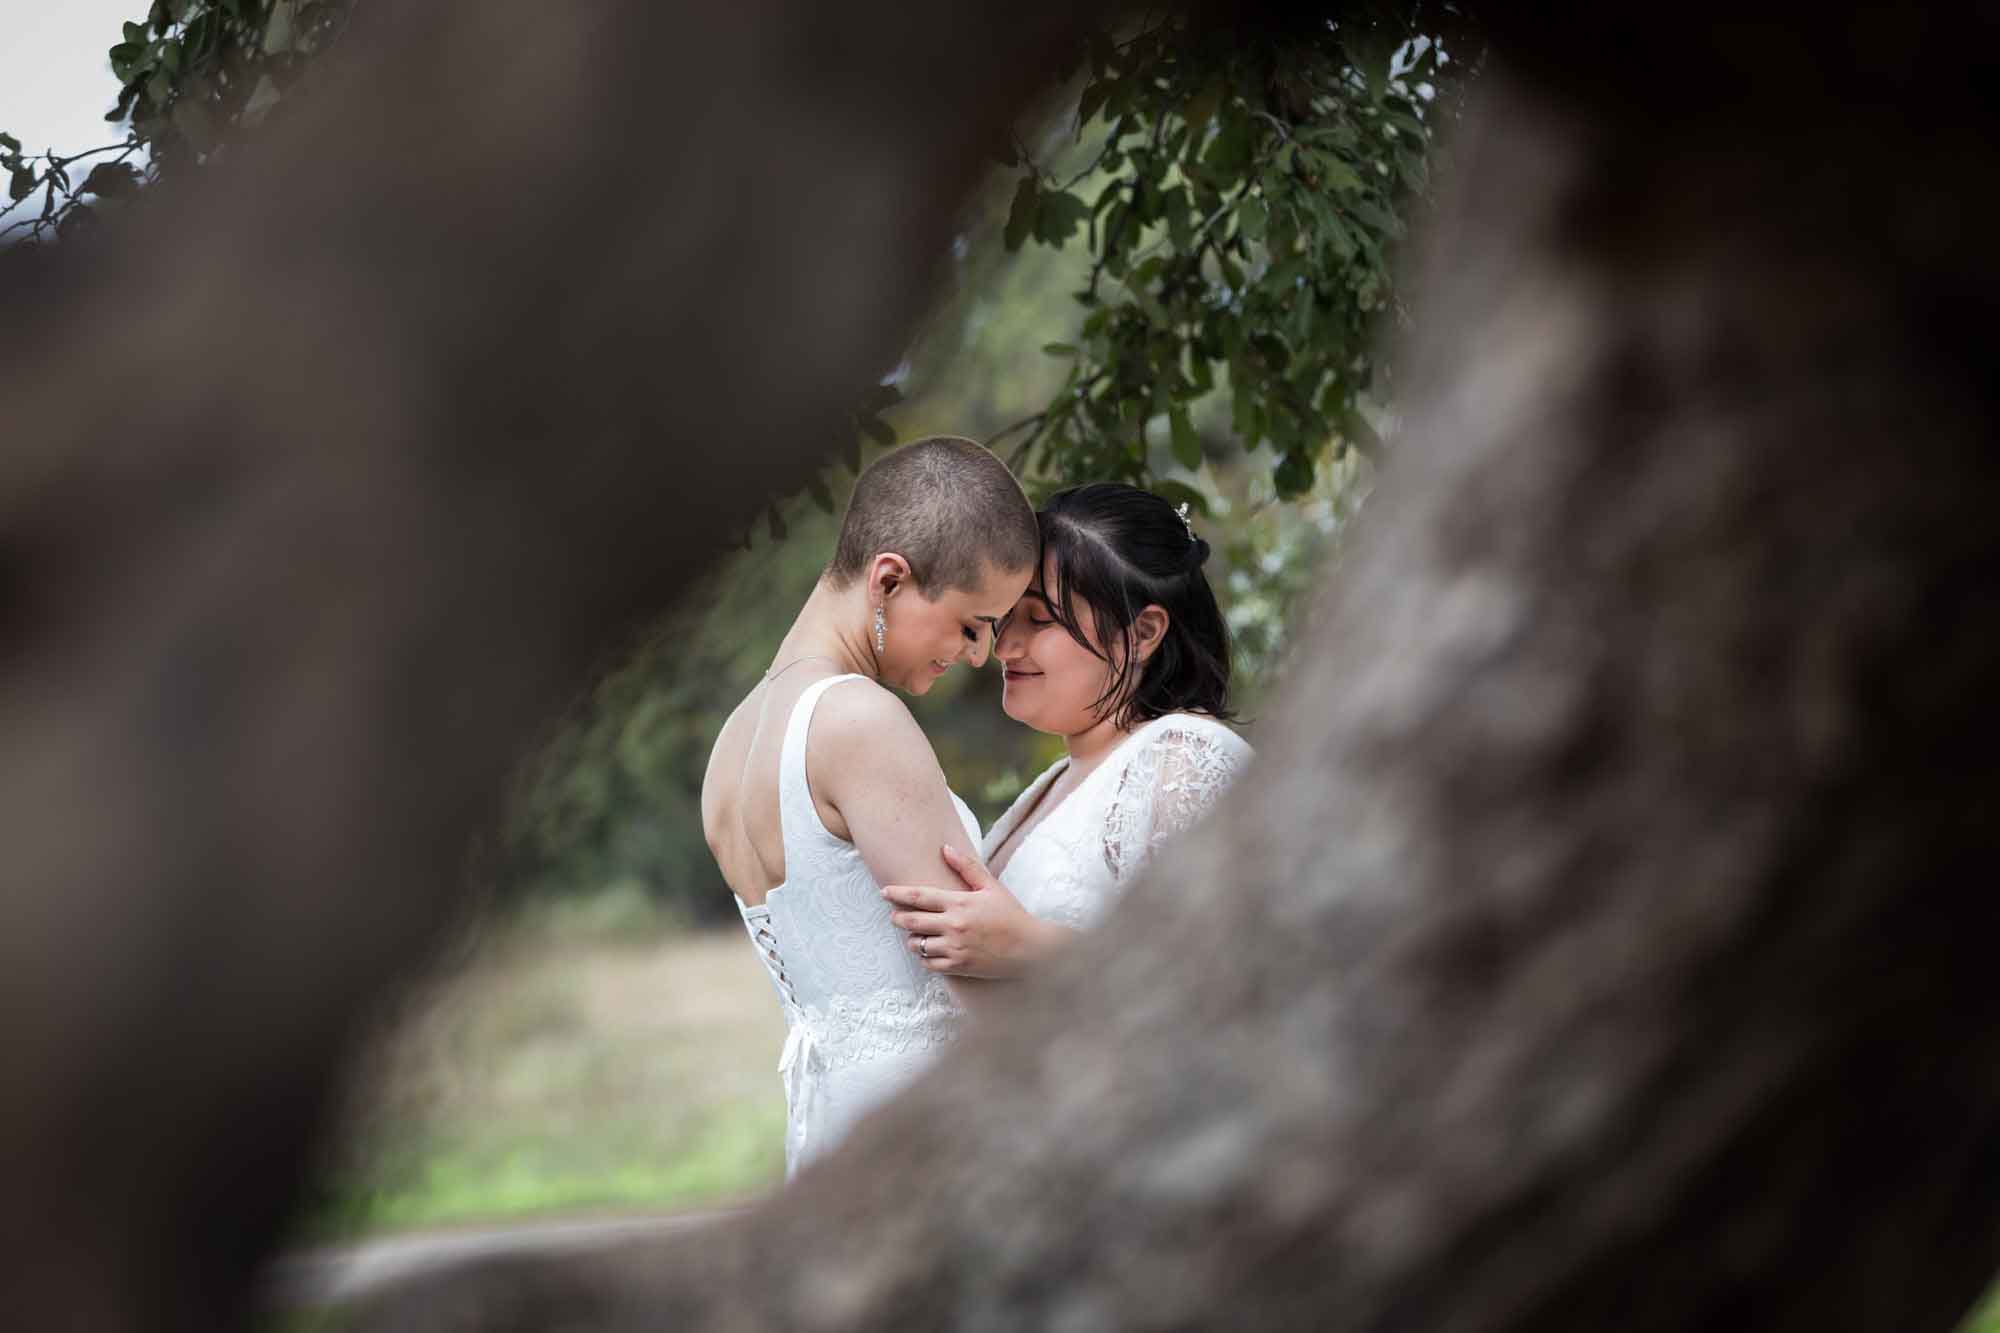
x,y
861,877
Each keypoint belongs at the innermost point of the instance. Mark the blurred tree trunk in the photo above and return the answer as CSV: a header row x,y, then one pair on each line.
x,y
1605,939
324,485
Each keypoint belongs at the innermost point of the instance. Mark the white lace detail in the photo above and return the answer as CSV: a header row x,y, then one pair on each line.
x,y
864,1014
1072,866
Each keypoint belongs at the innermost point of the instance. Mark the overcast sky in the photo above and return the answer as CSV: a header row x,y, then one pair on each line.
x,y
58,83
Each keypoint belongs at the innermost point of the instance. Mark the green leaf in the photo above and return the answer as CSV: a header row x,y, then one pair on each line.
x,y
127,60
20,184
1250,217
1186,443
1058,349
111,180
1021,217
1231,272
135,33
1180,218
1283,278
1092,100
1200,109
1059,215
1229,151
1334,174
1293,475
1200,372
1243,409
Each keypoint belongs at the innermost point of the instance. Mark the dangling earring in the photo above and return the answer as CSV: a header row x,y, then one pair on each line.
x,y
881,631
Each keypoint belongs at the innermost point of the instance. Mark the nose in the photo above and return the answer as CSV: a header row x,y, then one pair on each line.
x,y
975,652
1010,643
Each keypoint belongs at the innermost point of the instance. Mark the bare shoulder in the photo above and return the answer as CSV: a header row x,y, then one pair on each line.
x,y
864,739
860,712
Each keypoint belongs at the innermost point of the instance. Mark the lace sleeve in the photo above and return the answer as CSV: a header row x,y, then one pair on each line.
x,y
1174,780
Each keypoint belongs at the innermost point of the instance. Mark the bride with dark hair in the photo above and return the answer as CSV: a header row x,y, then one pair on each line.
x,y
1118,647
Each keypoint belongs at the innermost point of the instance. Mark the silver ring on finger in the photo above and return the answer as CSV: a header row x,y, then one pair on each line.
x,y
924,945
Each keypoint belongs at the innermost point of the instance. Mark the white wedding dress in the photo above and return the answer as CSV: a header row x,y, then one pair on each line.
x,y
1161,780
865,1016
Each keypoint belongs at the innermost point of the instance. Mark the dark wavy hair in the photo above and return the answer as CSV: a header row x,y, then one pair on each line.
x,y
1118,549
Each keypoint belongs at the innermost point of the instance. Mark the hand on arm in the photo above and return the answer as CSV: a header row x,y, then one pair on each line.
x,y
871,762
977,930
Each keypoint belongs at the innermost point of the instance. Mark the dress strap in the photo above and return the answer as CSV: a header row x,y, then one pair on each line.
x,y
796,811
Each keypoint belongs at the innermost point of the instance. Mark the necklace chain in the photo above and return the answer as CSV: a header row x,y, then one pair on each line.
x,y
776,672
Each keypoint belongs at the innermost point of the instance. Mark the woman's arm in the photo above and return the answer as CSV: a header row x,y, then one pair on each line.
x,y
1169,786
980,930
867,758
870,761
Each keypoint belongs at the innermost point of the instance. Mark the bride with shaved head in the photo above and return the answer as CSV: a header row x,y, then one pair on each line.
x,y
821,787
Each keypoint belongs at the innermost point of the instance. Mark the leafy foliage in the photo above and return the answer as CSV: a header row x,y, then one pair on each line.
x,y
1246,192
1224,206
1243,196
193,75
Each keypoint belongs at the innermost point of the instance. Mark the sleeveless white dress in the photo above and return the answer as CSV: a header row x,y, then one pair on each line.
x,y
1073,866
864,1015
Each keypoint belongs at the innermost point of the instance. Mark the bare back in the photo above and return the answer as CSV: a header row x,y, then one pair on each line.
x,y
739,790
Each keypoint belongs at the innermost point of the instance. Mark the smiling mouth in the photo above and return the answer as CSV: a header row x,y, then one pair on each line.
x,y
1011,674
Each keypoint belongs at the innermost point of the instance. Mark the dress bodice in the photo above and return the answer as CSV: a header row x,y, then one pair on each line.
x,y
1072,866
863,1012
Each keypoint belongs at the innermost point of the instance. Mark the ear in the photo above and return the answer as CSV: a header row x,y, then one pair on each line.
x,y
886,573
1148,628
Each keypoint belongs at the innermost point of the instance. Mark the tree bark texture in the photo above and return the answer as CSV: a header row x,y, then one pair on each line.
x,y
1604,939
1601,940
325,484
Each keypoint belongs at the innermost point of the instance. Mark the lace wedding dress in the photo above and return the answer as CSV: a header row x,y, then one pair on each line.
x,y
864,1014
1072,866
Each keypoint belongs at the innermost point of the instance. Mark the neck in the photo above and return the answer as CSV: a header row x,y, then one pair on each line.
x,y
832,625
1090,745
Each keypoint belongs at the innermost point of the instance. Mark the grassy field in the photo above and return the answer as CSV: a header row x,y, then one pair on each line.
x,y
577,1060
585,1058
